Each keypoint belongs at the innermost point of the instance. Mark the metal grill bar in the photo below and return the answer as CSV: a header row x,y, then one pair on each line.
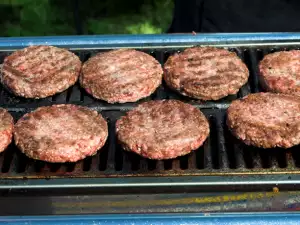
x,y
153,41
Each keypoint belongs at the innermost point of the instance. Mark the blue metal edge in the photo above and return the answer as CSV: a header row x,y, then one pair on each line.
x,y
207,218
144,40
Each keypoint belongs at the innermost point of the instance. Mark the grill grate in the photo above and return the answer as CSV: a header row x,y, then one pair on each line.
x,y
221,154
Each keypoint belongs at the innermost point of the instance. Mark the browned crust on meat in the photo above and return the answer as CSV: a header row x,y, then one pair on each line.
x,y
280,72
60,133
162,129
123,75
40,71
205,73
6,129
266,120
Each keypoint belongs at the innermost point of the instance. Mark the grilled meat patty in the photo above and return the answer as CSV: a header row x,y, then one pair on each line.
x,y
40,71
6,129
205,73
280,72
123,75
162,129
60,133
266,120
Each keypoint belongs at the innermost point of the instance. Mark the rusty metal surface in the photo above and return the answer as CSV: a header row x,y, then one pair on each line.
x,y
206,202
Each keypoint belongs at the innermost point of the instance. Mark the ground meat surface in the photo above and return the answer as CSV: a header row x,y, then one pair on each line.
x,y
205,73
60,133
40,71
266,120
280,72
6,129
123,75
162,129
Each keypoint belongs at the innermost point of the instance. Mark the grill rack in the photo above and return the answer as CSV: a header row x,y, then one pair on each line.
x,y
221,160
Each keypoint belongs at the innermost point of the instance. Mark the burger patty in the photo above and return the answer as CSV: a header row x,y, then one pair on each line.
x,y
40,71
60,133
280,72
205,73
6,129
266,120
162,129
123,75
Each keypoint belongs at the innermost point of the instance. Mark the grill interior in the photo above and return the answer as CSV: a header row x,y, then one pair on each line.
x,y
221,153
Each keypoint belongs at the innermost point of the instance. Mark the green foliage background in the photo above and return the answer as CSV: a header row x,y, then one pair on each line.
x,y
55,17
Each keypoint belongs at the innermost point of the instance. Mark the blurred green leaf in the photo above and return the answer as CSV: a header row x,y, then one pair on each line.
x,y
55,17
13,31
143,28
35,15
15,2
153,18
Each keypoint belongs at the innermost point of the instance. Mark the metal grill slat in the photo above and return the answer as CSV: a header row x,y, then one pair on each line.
x,y
60,98
290,160
143,165
246,89
111,147
207,154
223,160
239,158
274,161
75,94
257,163
160,166
95,163
253,69
78,167
127,163
176,164
192,160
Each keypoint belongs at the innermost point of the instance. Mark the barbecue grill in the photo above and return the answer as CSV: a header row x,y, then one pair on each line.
x,y
222,175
